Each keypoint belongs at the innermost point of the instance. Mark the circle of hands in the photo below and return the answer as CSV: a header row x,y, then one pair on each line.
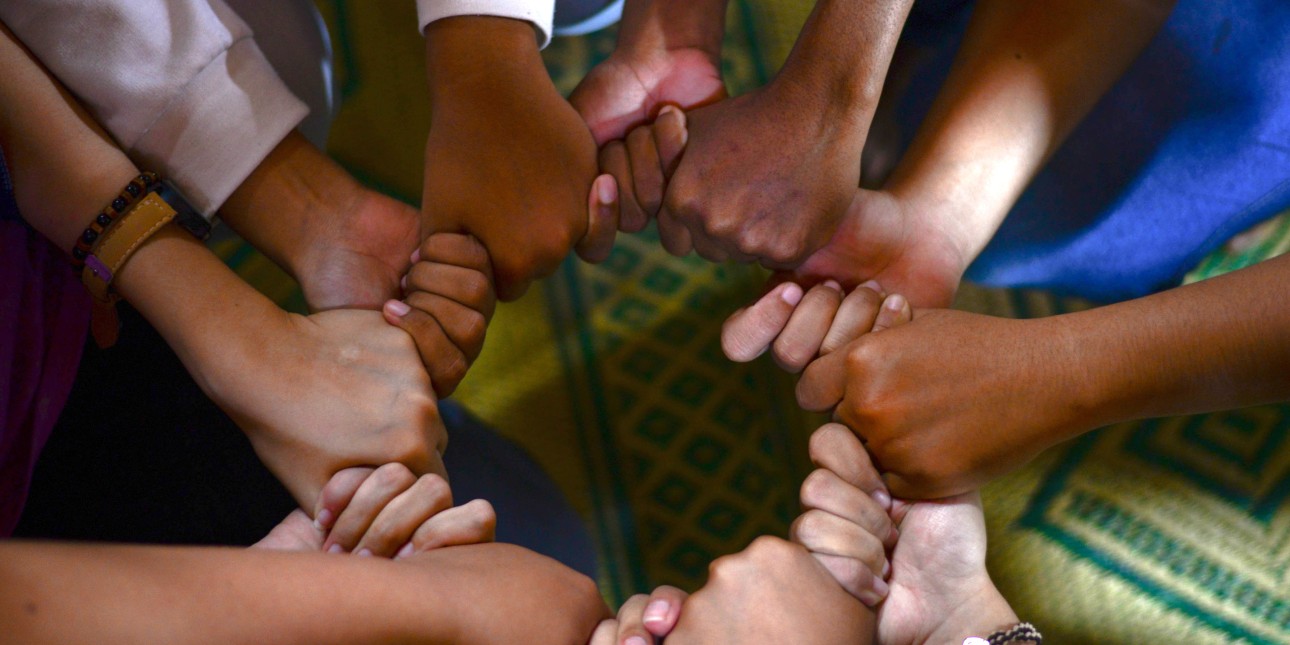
x,y
507,196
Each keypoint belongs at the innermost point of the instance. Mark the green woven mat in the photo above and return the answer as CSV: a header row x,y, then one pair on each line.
x,y
611,376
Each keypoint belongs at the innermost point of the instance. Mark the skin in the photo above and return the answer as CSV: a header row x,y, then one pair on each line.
x,y
314,394
508,160
485,593
955,399
1024,77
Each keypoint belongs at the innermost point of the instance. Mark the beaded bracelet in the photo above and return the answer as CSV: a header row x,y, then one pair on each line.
x,y
1019,633
139,186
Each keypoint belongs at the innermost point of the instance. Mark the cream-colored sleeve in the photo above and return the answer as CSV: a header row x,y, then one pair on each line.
x,y
179,84
540,13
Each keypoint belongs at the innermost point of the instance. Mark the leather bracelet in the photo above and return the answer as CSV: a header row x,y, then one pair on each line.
x,y
139,186
122,239
1019,633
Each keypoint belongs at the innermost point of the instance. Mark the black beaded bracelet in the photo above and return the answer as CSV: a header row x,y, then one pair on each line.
x,y
138,187
1019,633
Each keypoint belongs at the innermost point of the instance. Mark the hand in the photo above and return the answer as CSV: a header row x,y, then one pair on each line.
x,y
642,620
448,303
322,393
765,176
502,593
295,533
846,523
508,160
804,328
951,400
905,244
771,592
346,245
629,88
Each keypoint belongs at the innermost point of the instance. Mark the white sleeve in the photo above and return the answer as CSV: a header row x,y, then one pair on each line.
x,y
541,13
179,84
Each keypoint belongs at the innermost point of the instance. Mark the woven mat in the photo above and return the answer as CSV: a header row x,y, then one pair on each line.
x,y
1173,530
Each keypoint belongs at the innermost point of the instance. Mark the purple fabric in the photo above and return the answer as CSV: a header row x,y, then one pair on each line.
x,y
44,315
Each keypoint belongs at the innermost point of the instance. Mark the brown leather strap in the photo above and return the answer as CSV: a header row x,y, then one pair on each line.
x,y
116,246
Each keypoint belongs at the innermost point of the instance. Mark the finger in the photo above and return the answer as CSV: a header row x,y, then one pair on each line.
x,y
457,249
466,286
647,173
824,490
663,610
444,361
837,449
674,236
823,383
602,221
631,628
895,312
614,161
855,316
800,341
399,519
465,327
670,137
606,633
748,332
336,494
382,486
707,248
856,578
826,533
474,522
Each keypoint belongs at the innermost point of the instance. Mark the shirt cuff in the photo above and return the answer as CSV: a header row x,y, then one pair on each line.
x,y
225,122
540,13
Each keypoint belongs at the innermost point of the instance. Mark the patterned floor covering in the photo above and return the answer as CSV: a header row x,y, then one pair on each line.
x,y
1173,530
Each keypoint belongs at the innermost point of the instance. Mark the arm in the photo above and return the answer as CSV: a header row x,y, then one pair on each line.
x,y
508,160
953,399
313,394
769,175
1025,76
133,594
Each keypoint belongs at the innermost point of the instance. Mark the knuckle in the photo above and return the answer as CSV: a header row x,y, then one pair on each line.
x,y
476,288
393,475
789,354
808,526
475,328
816,486
434,487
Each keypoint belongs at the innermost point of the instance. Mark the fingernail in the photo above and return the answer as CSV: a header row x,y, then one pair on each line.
x,y
335,548
833,284
883,498
635,640
667,109
397,308
606,189
872,285
655,611
896,302
404,552
403,282
364,553
416,256
324,520
792,294
886,569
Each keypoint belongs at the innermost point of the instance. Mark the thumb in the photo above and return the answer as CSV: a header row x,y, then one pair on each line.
x,y
670,137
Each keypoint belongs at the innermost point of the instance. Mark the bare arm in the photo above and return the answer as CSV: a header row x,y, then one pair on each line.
x,y
56,593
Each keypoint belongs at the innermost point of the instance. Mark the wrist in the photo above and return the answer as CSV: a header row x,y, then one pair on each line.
x,y
983,611
653,27
465,54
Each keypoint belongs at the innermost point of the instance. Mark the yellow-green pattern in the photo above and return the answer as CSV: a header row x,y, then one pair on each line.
x,y
1164,531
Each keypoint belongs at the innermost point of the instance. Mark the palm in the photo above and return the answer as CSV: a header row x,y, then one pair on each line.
x,y
620,94
938,562
879,240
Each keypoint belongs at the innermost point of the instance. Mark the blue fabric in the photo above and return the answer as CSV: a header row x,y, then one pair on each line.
x,y
1189,148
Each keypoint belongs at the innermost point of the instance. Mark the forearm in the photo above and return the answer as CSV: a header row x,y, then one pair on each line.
x,y
673,24
843,52
53,593
1214,345
1025,76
